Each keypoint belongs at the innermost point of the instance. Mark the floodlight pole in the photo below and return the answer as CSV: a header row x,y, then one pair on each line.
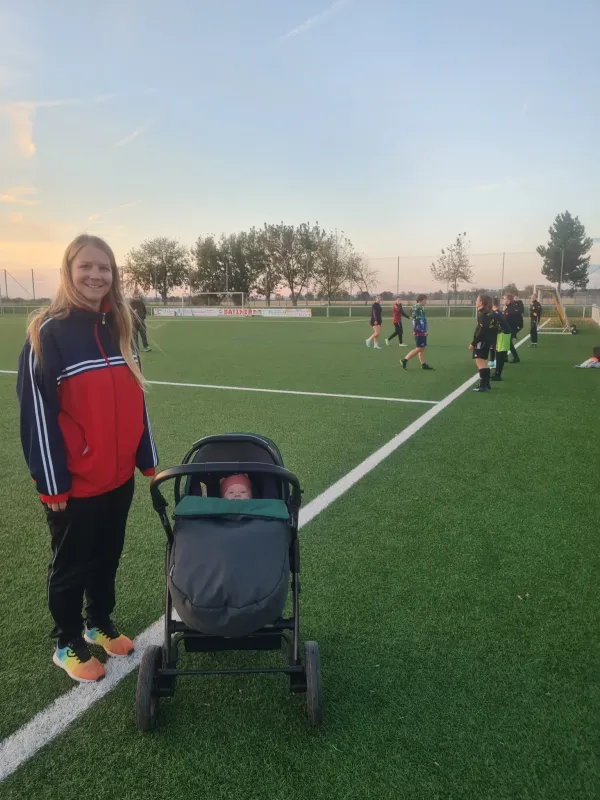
x,y
398,277
502,280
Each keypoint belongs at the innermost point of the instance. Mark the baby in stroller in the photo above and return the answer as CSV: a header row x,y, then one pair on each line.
x,y
236,487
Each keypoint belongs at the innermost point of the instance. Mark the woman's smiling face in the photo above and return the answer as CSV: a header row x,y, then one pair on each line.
x,y
92,275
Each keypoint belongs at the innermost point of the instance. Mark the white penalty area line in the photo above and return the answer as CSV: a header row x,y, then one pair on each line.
x,y
49,723
293,392
277,391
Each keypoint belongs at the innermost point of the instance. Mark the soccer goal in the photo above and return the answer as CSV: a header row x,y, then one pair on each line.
x,y
559,319
221,299
206,304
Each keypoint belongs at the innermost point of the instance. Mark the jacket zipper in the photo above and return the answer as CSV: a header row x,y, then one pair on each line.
x,y
103,354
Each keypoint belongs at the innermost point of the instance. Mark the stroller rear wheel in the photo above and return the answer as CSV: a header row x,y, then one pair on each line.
x,y
314,693
146,698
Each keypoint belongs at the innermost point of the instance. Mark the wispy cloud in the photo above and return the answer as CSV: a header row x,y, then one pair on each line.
x,y
21,121
129,138
524,108
310,23
19,195
104,98
22,113
486,188
16,218
98,216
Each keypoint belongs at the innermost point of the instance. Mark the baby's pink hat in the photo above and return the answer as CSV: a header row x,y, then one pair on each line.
x,y
234,480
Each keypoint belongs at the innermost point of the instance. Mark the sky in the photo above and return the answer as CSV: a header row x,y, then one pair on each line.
x,y
400,124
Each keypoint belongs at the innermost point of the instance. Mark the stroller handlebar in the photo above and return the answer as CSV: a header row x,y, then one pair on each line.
x,y
231,467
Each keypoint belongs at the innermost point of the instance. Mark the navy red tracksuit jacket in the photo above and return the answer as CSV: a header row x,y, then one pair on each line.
x,y
84,424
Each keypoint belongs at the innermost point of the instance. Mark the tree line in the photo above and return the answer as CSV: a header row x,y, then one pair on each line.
x,y
303,259
310,262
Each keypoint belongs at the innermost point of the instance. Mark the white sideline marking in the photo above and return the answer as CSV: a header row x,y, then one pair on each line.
x,y
290,391
56,718
8,372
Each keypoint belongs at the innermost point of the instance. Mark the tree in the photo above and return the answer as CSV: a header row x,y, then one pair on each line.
x,y
232,264
334,268
453,266
362,275
510,288
209,273
528,290
242,266
161,264
387,296
290,250
565,257
309,240
265,267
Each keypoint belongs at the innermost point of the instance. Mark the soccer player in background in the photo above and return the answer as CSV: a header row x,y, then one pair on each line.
x,y
483,339
138,308
520,305
515,320
502,344
419,327
376,319
535,315
397,313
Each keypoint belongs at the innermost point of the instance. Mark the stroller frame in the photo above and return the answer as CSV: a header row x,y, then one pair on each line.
x,y
158,667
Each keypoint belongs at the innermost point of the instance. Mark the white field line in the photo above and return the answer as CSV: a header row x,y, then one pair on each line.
x,y
290,391
56,718
277,391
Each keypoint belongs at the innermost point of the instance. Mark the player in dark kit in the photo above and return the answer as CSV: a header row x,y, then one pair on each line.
x,y
139,313
376,320
535,315
483,340
397,313
514,317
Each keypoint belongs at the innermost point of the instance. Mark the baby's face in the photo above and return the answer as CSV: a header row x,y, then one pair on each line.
x,y
237,492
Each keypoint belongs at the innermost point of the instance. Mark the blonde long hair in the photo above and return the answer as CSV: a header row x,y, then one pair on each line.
x,y
67,298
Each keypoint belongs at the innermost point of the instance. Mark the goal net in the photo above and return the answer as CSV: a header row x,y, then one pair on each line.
x,y
559,321
205,304
596,314
232,299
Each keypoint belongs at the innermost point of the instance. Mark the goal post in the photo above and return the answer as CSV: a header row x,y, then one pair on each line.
x,y
549,296
221,299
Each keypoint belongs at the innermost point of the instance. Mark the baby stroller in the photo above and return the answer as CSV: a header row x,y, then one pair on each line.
x,y
228,566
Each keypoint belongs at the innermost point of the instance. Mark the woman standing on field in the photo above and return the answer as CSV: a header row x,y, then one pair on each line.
x,y
376,320
84,429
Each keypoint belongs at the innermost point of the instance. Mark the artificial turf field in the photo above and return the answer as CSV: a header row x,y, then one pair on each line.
x,y
452,590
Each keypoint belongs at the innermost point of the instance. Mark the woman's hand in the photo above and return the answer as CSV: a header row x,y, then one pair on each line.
x,y
57,506
471,347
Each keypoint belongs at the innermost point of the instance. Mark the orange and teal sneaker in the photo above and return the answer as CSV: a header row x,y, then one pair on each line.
x,y
77,662
108,637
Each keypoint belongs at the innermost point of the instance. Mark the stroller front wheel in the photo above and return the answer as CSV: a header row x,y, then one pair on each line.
x,y
146,699
314,692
